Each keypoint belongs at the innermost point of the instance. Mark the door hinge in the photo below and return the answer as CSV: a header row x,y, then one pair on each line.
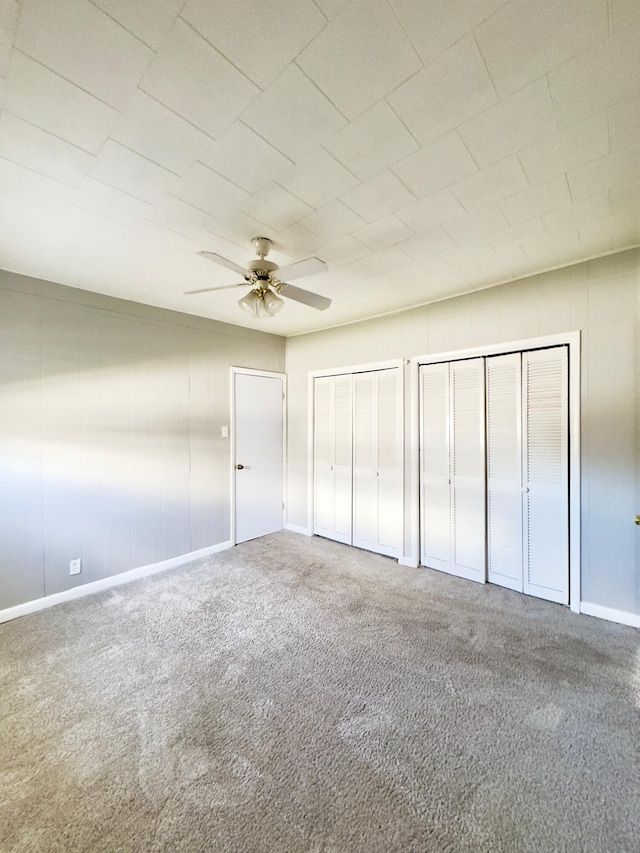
x,y
282,504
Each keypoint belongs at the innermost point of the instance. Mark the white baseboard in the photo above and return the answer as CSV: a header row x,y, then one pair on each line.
x,y
295,529
409,562
106,583
621,616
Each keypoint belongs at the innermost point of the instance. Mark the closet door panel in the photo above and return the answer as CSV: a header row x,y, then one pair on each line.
x,y
323,457
546,473
365,498
435,483
504,471
342,459
468,468
389,462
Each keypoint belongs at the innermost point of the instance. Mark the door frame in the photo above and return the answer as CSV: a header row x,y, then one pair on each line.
x,y
233,371
572,341
339,371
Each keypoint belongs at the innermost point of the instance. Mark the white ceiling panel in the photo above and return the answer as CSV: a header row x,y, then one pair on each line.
x,y
318,179
511,125
235,29
599,77
623,13
208,191
436,166
483,141
293,115
527,37
276,207
433,26
491,184
157,133
49,101
624,118
346,250
332,221
24,185
149,20
40,151
365,45
190,77
472,226
378,196
454,87
84,45
583,142
383,233
594,209
245,158
435,209
371,143
177,215
537,200
111,202
130,172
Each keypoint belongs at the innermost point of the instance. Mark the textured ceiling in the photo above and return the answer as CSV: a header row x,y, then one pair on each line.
x,y
421,148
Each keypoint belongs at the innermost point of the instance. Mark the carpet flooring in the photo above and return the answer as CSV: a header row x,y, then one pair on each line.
x,y
294,694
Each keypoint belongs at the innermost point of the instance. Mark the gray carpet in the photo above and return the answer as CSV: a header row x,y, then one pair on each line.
x,y
294,694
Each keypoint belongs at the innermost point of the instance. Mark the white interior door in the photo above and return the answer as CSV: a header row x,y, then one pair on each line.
x,y
258,463
504,471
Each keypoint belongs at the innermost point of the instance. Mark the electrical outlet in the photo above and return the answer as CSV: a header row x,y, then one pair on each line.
x,y
75,566
225,432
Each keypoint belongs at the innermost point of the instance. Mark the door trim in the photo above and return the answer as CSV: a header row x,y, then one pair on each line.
x,y
232,435
572,341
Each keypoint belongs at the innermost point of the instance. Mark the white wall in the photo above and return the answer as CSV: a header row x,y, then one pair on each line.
x,y
601,299
110,440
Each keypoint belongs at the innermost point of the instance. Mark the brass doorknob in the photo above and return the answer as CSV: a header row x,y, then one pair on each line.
x,y
637,519
239,467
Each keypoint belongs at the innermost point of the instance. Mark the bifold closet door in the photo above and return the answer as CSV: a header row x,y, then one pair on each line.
x,y
452,477
545,393
332,457
377,462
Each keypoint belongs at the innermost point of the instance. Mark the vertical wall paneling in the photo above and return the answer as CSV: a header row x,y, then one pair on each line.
x,y
467,467
435,475
110,436
504,470
546,473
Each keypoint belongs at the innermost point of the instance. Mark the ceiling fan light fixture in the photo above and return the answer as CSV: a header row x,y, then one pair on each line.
x,y
272,302
249,303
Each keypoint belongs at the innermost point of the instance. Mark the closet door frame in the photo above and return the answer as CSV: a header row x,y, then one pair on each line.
x,y
401,364
572,341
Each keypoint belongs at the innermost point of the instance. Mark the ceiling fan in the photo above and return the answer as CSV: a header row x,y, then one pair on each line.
x,y
263,277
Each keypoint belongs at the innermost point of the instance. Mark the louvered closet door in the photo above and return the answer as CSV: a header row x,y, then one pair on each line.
x,y
546,473
435,483
504,470
468,469
332,458
377,472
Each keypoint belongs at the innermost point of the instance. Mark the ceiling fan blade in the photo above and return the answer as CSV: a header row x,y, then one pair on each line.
x,y
313,300
211,289
224,262
301,268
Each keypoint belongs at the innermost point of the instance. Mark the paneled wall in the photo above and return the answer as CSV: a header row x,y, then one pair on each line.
x,y
110,433
601,299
